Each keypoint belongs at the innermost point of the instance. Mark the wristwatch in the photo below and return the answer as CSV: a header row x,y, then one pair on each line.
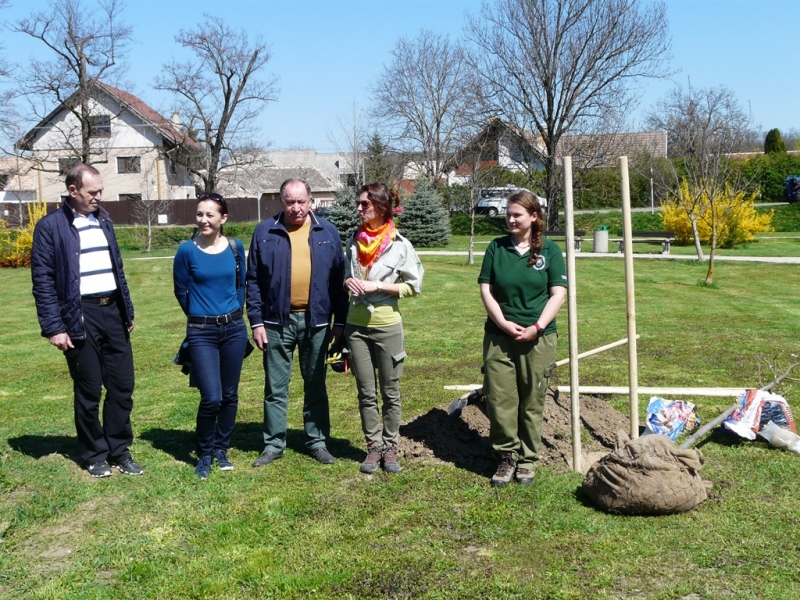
x,y
379,286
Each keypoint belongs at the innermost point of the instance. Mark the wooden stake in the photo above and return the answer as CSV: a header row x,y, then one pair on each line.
x,y
633,361
572,313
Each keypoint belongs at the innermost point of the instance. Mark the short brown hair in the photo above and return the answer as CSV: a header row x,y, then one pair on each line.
x,y
76,173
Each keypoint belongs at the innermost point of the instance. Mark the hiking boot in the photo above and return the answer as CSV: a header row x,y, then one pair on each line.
x,y
203,467
390,464
267,457
524,476
99,469
374,454
322,455
221,456
505,472
128,466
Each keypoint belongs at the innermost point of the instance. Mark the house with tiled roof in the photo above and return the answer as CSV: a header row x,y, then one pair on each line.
x,y
133,147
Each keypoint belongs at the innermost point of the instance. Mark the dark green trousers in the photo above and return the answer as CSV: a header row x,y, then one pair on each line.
x,y
516,376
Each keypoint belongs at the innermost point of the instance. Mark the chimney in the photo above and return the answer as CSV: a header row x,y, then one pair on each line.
x,y
176,119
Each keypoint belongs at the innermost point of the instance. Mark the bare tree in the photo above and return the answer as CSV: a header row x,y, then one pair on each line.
x,y
427,100
147,209
555,67
703,126
349,141
87,45
220,93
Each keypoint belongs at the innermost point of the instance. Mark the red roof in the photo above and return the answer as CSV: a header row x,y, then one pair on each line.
x,y
149,115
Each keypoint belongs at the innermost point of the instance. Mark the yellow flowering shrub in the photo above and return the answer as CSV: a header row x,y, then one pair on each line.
x,y
16,244
735,215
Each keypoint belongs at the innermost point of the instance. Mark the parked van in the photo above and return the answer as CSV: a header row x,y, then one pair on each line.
x,y
493,201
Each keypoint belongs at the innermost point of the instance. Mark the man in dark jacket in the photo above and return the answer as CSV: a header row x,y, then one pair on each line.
x,y
294,284
85,310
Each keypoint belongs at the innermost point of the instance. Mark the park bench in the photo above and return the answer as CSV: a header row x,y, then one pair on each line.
x,y
665,238
557,233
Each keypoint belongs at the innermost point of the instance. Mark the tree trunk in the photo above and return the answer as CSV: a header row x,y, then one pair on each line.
x,y
471,254
149,236
712,252
697,245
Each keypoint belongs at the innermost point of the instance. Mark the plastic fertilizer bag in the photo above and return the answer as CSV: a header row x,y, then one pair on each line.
x,y
670,417
756,408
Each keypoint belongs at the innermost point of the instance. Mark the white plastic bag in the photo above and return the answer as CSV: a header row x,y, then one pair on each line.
x,y
780,438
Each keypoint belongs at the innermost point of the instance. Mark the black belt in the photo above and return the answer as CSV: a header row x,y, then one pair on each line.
x,y
219,320
101,300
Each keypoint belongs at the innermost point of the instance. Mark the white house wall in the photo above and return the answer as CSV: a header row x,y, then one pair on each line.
x,y
130,137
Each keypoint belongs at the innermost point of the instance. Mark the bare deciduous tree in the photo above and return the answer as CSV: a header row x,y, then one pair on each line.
x,y
349,141
703,126
146,210
88,45
427,100
555,67
220,93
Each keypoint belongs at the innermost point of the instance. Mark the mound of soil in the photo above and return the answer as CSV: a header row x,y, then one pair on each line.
x,y
463,439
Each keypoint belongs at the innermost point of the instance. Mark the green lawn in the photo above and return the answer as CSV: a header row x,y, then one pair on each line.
x,y
298,530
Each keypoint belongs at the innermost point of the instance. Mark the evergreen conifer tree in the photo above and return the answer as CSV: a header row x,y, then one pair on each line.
x,y
342,213
774,142
424,221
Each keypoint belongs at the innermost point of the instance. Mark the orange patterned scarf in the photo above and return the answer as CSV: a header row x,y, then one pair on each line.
x,y
372,242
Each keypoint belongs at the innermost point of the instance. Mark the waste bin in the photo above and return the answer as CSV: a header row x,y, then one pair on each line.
x,y
601,239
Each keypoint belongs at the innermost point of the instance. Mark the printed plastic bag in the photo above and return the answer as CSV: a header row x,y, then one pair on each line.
x,y
670,417
756,408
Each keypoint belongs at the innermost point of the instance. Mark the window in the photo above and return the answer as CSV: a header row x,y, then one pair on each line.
x,y
65,163
130,197
100,126
129,164
3,181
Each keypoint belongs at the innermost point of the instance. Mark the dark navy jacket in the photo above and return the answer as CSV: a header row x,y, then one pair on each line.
x,y
56,273
269,279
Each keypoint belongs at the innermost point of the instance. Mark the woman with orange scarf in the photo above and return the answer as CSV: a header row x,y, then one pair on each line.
x,y
381,267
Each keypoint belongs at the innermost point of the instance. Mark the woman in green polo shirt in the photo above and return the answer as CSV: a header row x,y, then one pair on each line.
x,y
523,285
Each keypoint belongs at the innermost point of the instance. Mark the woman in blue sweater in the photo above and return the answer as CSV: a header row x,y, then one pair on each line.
x,y
209,285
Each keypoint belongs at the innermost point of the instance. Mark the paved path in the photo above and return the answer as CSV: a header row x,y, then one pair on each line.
x,y
765,259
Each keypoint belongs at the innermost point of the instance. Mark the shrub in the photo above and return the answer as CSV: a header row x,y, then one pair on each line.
x,y
15,245
734,213
424,221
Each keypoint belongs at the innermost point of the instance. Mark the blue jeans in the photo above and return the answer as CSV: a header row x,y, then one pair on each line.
x,y
312,345
217,352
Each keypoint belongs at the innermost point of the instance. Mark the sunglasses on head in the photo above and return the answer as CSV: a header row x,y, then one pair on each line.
x,y
365,204
209,196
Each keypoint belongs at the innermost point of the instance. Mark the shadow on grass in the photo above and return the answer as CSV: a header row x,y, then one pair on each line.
x,y
39,446
247,437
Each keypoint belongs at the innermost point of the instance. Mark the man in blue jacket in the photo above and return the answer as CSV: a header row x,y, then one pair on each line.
x,y
85,310
294,285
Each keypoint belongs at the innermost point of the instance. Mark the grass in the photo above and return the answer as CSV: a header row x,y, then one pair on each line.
x,y
297,530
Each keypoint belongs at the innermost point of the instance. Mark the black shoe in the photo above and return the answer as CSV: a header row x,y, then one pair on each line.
x,y
267,457
128,466
203,467
99,469
221,456
322,455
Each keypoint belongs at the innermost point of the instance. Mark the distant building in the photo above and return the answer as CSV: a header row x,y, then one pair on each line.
x,y
261,174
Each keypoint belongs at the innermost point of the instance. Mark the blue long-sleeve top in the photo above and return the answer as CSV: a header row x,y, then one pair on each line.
x,y
205,284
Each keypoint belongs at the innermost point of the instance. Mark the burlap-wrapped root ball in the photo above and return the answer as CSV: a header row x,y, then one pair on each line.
x,y
646,476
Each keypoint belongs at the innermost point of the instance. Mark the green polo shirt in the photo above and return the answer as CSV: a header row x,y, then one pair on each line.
x,y
520,290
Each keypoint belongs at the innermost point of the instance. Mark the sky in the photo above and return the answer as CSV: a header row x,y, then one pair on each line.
x,y
327,54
